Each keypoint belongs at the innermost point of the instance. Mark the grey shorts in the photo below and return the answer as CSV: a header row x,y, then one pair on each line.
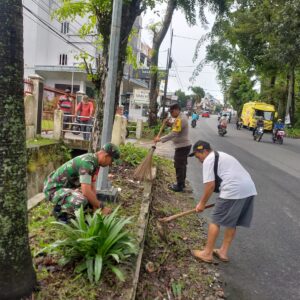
x,y
232,213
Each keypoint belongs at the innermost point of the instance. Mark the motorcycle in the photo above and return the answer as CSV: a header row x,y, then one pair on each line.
x,y
194,123
278,137
239,125
258,134
222,130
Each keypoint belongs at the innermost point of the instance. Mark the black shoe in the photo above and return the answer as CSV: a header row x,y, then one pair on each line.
x,y
60,216
63,218
176,188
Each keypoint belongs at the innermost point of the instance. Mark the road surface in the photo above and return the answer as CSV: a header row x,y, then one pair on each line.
x,y
265,259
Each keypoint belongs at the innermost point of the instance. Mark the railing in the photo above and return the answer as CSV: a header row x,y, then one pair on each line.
x,y
73,124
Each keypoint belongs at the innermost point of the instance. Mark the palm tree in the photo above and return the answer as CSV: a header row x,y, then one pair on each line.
x,y
17,276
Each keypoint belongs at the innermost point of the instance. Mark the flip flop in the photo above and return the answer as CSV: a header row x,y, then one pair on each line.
x,y
217,255
209,261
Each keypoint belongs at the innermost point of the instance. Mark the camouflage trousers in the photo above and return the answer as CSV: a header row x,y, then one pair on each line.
x,y
67,200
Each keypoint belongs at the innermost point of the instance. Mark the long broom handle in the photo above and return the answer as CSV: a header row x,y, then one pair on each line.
x,y
161,129
185,213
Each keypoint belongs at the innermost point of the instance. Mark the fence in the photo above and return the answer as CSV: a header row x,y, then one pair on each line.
x,y
76,125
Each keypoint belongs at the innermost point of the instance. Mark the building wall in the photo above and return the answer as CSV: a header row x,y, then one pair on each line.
x,y
41,45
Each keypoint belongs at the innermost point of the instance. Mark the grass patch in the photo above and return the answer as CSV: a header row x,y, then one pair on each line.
x,y
293,132
47,125
177,275
39,141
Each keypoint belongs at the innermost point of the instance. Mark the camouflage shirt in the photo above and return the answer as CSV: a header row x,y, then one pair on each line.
x,y
80,169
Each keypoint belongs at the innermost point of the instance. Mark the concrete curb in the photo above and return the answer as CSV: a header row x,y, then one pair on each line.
x,y
142,225
35,200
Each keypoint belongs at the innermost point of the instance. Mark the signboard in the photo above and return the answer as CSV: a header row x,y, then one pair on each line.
x,y
141,96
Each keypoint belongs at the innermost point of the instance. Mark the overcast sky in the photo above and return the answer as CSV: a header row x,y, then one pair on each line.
x,y
182,52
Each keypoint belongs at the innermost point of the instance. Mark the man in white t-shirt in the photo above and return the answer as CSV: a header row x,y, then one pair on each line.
x,y
233,208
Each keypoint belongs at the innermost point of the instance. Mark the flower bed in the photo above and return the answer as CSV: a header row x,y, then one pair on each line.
x,y
57,282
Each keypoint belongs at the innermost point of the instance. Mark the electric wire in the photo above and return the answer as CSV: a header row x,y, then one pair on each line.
x,y
74,29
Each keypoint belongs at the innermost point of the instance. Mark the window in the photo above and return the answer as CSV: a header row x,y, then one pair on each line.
x,y
65,27
63,59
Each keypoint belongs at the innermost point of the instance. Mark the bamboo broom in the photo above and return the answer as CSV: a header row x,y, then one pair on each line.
x,y
144,170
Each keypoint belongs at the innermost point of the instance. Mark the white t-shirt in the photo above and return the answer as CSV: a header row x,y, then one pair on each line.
x,y
236,181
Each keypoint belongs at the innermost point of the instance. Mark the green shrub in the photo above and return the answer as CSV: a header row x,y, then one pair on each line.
x,y
151,132
132,155
94,242
293,132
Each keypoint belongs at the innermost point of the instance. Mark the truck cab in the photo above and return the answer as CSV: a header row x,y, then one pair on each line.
x,y
253,110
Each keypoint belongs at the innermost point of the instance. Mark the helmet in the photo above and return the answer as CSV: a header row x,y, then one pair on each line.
x,y
279,120
261,118
112,150
225,115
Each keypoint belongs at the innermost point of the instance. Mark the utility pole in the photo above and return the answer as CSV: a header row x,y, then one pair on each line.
x,y
169,63
108,116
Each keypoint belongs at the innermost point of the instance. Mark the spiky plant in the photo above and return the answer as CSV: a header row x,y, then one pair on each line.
x,y
95,242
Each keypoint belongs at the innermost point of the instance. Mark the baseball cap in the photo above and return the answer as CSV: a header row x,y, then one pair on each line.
x,y
200,146
112,150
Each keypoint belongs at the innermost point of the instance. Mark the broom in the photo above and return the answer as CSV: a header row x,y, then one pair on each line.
x,y
144,170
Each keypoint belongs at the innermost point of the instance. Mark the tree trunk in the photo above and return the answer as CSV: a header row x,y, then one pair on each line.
x,y
130,11
157,40
288,110
272,86
17,277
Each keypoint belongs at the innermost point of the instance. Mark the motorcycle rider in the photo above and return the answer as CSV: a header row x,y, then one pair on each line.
x,y
239,123
223,123
277,126
259,123
195,117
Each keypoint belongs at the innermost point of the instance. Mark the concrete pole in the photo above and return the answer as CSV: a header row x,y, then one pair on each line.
x,y
169,58
102,182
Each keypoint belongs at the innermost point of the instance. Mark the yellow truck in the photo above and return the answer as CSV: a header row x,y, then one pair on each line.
x,y
253,110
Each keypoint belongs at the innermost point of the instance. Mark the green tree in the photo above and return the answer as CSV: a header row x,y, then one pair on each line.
x,y
241,91
17,276
160,29
182,98
198,93
260,38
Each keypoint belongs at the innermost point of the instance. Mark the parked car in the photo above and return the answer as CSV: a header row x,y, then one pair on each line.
x,y
205,114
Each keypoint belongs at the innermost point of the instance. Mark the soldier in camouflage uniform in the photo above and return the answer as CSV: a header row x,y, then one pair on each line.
x,y
73,184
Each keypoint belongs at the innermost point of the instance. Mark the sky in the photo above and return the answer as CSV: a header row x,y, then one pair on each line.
x,y
183,49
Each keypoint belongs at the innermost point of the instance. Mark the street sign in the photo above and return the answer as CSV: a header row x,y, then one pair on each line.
x,y
141,96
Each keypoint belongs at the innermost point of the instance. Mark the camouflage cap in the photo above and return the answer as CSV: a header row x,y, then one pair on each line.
x,y
112,150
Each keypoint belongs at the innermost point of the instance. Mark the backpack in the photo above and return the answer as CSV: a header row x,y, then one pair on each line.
x,y
218,180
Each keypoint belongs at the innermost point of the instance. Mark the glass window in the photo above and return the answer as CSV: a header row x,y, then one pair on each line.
x,y
267,115
64,27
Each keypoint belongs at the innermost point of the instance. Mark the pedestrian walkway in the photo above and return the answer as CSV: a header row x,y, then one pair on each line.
x,y
162,149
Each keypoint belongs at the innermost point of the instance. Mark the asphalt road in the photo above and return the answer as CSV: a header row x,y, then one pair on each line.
x,y
265,259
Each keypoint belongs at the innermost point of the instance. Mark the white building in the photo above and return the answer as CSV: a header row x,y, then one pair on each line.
x,y
51,47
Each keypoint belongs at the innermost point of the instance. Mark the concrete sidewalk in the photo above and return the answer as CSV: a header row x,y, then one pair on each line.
x,y
162,149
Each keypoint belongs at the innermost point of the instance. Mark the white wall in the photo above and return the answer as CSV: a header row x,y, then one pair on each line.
x,y
41,45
